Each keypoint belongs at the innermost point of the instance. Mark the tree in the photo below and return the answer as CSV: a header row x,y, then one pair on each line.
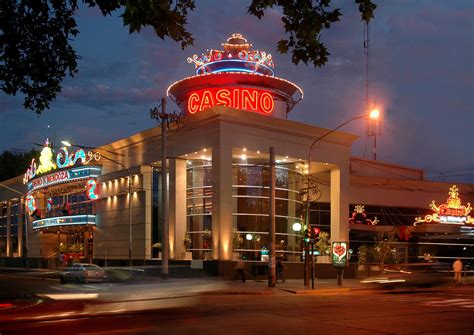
x,y
36,52
13,164
383,251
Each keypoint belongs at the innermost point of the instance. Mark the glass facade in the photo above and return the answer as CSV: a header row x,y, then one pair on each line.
x,y
251,220
250,193
198,238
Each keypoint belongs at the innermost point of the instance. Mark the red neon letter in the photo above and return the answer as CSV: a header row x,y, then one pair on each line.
x,y
207,100
223,98
193,103
266,103
249,99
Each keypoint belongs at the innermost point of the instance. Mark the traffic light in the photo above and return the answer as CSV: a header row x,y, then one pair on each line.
x,y
316,232
307,235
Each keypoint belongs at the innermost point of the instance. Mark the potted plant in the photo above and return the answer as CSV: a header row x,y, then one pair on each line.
x,y
188,244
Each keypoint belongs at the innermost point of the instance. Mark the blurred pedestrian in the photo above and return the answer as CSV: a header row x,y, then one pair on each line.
x,y
457,268
280,270
240,270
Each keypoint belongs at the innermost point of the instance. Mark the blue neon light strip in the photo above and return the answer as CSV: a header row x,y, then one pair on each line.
x,y
229,69
73,220
64,176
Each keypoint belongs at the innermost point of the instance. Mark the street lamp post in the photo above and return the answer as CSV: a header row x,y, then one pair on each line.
x,y
130,233
374,114
25,221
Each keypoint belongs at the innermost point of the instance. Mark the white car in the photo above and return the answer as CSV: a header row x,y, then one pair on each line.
x,y
83,273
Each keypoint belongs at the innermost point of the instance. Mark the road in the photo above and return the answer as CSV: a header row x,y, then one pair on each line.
x,y
428,311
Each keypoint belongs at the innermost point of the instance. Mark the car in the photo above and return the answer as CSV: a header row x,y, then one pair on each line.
x,y
413,275
83,273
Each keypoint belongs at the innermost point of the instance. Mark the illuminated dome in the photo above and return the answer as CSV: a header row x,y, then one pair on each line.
x,y
236,57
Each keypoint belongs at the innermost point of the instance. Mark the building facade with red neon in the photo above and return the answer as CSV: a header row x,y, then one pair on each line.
x,y
103,204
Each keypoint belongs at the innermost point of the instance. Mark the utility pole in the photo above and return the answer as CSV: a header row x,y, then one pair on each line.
x,y
271,259
164,188
173,123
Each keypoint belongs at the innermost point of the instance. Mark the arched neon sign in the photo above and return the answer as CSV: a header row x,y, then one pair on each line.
x,y
249,99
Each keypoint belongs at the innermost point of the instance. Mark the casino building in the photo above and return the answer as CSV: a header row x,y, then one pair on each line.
x,y
103,204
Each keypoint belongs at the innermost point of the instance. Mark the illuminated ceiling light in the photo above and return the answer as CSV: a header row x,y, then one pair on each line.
x,y
286,156
245,149
284,159
185,155
258,152
203,157
204,150
248,237
243,157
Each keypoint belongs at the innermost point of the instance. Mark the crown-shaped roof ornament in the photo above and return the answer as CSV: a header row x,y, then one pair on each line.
x,y
236,57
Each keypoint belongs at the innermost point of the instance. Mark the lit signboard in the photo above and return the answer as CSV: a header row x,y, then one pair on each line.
x,y
73,220
62,176
249,99
339,254
64,159
452,212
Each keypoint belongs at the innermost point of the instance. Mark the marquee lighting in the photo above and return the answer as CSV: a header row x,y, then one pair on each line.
x,y
64,159
452,212
359,216
240,73
30,203
91,187
73,220
239,98
63,176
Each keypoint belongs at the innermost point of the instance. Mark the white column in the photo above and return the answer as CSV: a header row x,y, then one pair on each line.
x,y
222,202
340,203
177,204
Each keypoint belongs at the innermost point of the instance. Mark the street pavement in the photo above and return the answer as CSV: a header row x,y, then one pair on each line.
x,y
257,287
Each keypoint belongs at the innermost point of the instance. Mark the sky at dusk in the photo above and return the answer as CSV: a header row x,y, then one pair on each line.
x,y
421,71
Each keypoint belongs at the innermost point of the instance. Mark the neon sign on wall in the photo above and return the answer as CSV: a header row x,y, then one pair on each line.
x,y
63,176
452,212
64,159
249,99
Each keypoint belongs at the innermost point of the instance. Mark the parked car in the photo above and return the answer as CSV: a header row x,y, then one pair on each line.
x,y
413,275
83,273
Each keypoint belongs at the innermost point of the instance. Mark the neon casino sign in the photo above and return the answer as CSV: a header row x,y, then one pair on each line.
x,y
239,98
452,212
74,173
64,159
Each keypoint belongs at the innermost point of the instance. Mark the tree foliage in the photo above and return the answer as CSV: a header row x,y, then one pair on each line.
x,y
36,52
14,164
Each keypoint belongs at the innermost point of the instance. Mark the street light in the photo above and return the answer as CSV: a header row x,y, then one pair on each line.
x,y
25,219
66,143
373,115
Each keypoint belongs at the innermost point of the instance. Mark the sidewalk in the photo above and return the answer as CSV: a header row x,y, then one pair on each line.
x,y
292,286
